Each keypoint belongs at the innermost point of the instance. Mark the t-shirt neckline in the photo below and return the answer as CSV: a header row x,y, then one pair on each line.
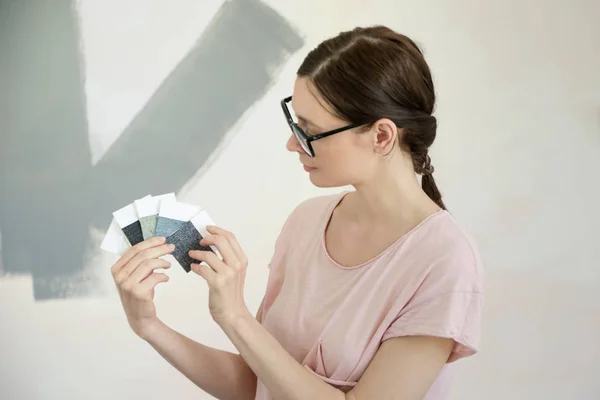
x,y
329,214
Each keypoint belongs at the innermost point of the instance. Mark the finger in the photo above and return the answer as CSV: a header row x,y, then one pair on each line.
x,y
146,268
134,250
209,258
144,289
205,272
224,247
152,252
235,245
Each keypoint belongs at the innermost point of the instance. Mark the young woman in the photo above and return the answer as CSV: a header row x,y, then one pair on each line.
x,y
374,292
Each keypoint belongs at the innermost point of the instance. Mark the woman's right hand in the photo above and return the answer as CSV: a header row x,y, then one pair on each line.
x,y
135,276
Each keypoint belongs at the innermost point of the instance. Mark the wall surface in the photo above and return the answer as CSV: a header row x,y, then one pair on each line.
x,y
102,102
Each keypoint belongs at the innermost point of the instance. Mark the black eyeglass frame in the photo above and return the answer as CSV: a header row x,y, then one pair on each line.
x,y
304,139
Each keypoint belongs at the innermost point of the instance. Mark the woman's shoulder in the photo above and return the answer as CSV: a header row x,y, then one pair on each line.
x,y
306,216
314,209
318,204
448,250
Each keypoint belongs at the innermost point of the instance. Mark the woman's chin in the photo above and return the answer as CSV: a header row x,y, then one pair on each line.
x,y
321,181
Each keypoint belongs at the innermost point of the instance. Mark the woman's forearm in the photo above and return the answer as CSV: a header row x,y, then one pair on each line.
x,y
222,374
285,378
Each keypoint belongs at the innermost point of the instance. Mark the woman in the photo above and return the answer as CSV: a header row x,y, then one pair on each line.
x,y
372,293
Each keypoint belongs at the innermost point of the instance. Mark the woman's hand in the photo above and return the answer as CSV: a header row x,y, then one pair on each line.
x,y
225,277
135,276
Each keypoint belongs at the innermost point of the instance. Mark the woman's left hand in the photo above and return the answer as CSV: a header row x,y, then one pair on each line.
x,y
225,277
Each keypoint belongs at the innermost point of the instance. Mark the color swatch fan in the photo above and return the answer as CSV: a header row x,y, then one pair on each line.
x,y
181,224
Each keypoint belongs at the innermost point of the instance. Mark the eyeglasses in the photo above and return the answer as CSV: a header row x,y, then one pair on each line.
x,y
304,139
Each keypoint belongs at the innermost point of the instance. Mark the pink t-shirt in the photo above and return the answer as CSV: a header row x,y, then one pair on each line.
x,y
332,319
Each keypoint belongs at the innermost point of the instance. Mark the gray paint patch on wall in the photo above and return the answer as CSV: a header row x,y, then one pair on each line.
x,y
598,122
51,194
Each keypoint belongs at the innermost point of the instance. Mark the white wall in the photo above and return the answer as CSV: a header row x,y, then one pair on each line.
x,y
517,157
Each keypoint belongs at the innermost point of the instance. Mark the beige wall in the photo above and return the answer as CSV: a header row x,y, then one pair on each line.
x,y
517,157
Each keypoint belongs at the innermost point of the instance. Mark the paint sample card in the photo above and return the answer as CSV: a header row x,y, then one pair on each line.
x,y
172,216
147,211
181,224
188,238
130,225
115,241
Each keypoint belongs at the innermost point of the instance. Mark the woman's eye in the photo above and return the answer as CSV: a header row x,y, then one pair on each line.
x,y
305,129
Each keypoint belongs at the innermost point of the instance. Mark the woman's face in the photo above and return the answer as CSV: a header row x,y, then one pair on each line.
x,y
345,158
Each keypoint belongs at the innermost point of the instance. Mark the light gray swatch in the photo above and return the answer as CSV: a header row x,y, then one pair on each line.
x,y
148,225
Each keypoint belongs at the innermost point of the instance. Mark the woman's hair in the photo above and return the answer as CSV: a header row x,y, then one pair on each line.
x,y
370,73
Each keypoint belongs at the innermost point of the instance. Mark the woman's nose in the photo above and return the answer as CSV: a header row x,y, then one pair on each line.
x,y
293,144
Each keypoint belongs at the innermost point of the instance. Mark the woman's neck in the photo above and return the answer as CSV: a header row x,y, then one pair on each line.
x,y
390,198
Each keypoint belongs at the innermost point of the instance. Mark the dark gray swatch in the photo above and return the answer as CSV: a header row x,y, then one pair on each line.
x,y
133,232
186,239
167,226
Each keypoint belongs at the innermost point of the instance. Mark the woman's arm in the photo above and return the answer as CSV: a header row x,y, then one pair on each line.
x,y
403,368
222,374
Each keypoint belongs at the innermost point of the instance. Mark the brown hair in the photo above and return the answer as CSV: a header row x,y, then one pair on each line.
x,y
370,73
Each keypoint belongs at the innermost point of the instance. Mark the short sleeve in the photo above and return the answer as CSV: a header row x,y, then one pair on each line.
x,y
455,315
448,303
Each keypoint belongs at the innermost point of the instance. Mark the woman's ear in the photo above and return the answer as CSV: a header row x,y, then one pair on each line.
x,y
385,135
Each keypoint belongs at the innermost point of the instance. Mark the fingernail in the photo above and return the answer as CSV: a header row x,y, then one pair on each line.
x,y
172,247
